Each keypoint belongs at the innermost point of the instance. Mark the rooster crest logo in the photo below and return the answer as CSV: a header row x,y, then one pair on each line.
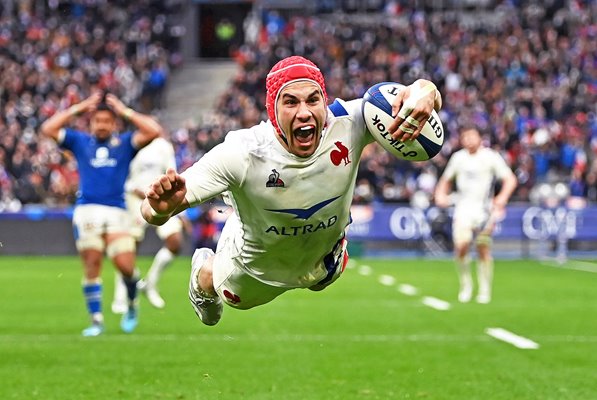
x,y
274,180
337,156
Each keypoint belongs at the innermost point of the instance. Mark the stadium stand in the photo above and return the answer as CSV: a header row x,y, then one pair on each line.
x,y
53,54
514,71
523,71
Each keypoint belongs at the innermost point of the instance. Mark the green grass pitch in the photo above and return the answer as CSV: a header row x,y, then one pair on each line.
x,y
359,339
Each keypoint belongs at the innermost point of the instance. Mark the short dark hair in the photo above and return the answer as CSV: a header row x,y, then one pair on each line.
x,y
103,106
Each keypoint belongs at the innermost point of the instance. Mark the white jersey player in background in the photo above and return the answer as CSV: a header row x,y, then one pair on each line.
x,y
149,163
290,182
475,169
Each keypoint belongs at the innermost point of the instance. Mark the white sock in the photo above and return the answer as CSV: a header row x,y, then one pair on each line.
x,y
464,273
119,289
485,276
162,259
97,318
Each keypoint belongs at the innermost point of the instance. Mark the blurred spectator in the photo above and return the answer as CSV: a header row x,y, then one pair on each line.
x,y
515,73
523,72
51,56
205,229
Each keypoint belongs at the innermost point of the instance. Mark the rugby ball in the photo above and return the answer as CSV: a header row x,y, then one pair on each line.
x,y
377,113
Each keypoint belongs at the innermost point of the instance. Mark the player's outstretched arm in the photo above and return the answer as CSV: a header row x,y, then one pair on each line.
x,y
412,108
52,126
164,197
148,128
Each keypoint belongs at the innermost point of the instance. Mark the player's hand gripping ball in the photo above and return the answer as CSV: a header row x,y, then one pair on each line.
x,y
377,112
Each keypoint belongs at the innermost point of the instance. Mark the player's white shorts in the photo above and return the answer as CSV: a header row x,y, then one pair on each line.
x,y
241,290
139,225
91,221
467,222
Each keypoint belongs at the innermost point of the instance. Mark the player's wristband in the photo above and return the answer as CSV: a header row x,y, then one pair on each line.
x,y
128,114
154,213
75,112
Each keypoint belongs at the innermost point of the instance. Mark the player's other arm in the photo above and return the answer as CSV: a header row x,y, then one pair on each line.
x,y
164,198
442,192
148,128
52,126
509,183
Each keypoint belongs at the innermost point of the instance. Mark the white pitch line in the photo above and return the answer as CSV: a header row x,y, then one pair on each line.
x,y
575,265
408,290
512,338
365,270
117,336
387,280
436,303
281,338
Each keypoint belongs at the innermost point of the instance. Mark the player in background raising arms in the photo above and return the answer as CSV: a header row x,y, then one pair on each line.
x,y
475,169
100,221
289,190
149,163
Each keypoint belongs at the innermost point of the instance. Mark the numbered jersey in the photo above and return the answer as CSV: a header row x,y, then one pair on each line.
x,y
291,210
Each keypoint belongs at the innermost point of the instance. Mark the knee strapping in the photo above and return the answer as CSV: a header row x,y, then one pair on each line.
x,y
90,243
484,239
121,245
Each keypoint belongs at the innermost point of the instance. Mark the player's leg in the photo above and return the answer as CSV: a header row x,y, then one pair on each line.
x,y
92,289
90,245
204,299
463,265
121,250
121,247
484,268
335,263
119,303
462,234
237,288
137,231
217,278
171,234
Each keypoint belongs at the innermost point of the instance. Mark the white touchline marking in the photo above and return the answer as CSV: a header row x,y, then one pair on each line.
x,y
387,280
512,338
575,265
408,290
365,270
436,303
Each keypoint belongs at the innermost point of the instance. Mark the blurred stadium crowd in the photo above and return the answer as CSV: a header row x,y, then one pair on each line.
x,y
54,55
526,77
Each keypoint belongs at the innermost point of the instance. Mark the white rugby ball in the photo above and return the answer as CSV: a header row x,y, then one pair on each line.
x,y
377,112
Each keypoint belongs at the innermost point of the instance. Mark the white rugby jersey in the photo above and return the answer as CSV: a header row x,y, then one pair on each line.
x,y
291,210
150,162
475,175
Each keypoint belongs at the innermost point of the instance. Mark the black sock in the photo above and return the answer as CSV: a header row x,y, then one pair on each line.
x,y
131,287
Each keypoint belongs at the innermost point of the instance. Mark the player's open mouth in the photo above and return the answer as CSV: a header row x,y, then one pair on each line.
x,y
305,134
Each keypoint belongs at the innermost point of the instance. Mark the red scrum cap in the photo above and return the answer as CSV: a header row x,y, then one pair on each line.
x,y
291,69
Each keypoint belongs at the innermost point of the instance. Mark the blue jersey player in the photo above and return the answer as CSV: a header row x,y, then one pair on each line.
x,y
100,221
